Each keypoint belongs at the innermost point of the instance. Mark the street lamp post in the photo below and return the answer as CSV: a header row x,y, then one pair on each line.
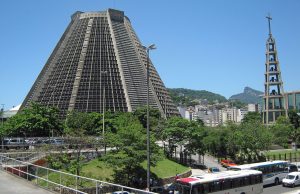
x,y
151,47
52,96
103,112
2,140
2,114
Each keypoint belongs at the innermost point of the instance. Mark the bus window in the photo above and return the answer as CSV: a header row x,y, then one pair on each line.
x,y
217,186
185,190
226,184
252,179
273,168
211,187
258,179
198,189
235,182
206,188
281,167
268,169
246,181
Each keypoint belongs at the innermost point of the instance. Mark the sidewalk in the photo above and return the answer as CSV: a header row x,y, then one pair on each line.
x,y
196,172
13,185
209,161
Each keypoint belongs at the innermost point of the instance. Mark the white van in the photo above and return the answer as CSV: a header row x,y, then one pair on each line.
x,y
292,179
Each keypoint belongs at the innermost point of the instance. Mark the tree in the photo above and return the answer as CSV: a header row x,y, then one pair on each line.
x,y
176,133
294,118
252,117
200,122
195,143
141,114
295,130
90,123
77,126
236,103
36,121
128,138
281,131
215,141
250,139
230,147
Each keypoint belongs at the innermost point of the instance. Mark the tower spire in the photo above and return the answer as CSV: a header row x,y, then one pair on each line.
x,y
269,20
274,100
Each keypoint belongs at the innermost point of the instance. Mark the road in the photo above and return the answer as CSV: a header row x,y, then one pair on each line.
x,y
281,190
210,161
13,185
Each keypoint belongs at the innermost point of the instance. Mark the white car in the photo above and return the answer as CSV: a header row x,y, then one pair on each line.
x,y
120,192
292,179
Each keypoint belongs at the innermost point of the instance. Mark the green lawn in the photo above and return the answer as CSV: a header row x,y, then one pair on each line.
x,y
282,152
102,171
98,170
291,155
166,168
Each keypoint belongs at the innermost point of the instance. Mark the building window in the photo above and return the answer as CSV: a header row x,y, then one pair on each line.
x,y
291,101
298,101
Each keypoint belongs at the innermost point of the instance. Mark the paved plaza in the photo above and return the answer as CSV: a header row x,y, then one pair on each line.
x,y
10,184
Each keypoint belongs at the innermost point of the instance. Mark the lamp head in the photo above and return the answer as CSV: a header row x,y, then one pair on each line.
x,y
151,47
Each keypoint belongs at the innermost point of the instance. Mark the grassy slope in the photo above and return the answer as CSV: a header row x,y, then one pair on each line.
x,y
167,168
101,171
98,170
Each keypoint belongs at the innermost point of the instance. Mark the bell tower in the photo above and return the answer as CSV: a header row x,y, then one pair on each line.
x,y
274,105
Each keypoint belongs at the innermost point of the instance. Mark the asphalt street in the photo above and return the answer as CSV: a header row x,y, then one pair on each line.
x,y
210,161
279,189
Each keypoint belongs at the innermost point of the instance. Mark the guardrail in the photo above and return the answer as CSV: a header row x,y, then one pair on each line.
x,y
61,182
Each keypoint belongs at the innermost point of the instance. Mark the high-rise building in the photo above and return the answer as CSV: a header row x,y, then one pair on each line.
x,y
274,105
293,100
99,65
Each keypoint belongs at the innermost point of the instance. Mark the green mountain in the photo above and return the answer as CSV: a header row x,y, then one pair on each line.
x,y
249,96
188,97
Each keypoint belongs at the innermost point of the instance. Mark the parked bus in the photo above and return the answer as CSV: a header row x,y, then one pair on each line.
x,y
233,182
273,171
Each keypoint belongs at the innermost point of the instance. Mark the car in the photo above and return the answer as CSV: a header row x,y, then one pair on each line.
x,y
15,143
57,142
120,192
158,189
227,163
213,170
291,180
292,168
199,166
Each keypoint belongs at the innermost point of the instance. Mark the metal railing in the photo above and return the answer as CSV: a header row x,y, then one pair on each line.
x,y
61,182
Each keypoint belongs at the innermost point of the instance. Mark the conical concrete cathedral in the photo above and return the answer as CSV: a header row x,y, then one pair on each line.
x,y
99,64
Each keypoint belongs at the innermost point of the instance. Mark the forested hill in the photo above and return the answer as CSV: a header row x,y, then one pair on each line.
x,y
249,96
182,96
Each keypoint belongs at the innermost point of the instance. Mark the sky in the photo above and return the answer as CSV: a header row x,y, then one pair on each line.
x,y
213,45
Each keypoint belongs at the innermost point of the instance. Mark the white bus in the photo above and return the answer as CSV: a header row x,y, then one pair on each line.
x,y
233,182
273,171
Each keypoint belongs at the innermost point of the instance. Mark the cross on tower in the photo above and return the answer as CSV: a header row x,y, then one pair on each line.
x,y
269,20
